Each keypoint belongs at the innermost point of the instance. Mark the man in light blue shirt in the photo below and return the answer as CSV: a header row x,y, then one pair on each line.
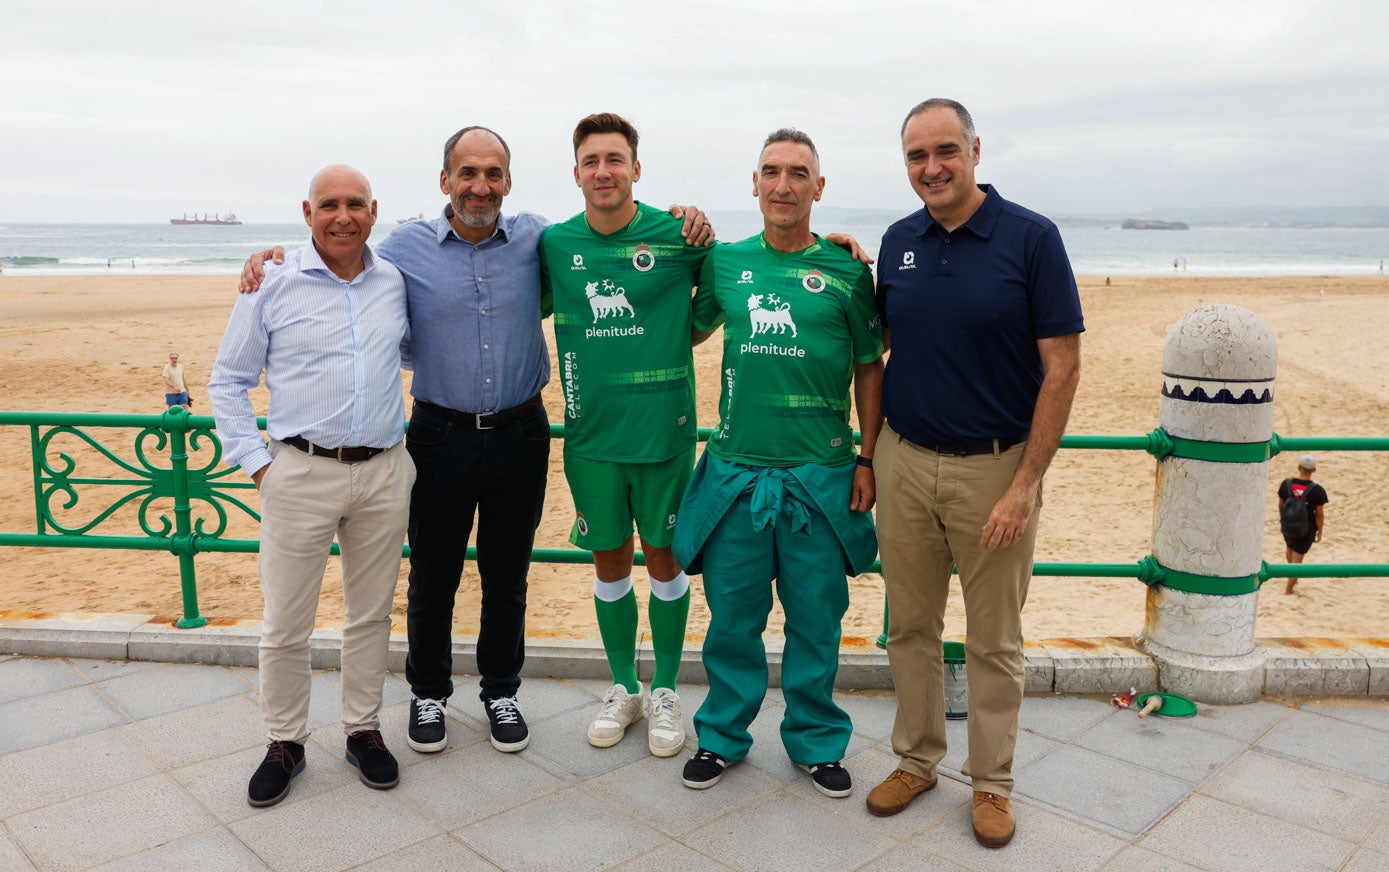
x,y
327,329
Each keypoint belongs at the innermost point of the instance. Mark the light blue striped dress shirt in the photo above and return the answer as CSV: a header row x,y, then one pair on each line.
x,y
330,350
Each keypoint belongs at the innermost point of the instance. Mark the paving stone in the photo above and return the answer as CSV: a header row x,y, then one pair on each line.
x,y
25,677
1100,788
1366,860
1332,742
220,783
783,832
441,852
1243,722
210,730
565,744
651,791
167,687
325,698
212,850
769,755
461,732
62,714
1062,716
1133,859
546,697
1379,839
1164,745
569,830
470,784
108,824
332,830
1029,749
909,858
1205,829
1376,654
673,856
11,858
101,670
1310,796
873,713
1043,841
1370,712
52,773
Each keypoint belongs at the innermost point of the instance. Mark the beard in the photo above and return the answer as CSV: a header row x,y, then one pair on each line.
x,y
474,218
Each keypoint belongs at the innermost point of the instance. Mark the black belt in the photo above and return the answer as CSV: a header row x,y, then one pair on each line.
x,y
969,449
346,454
479,420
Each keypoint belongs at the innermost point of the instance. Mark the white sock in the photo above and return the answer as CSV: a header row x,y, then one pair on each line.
x,y
670,590
611,591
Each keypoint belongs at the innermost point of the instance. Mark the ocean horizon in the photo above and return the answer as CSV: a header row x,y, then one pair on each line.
x,y
165,249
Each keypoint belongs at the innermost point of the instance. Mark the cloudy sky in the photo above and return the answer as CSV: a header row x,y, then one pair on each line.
x,y
136,111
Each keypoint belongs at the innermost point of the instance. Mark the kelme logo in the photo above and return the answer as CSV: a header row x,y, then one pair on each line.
x,y
643,260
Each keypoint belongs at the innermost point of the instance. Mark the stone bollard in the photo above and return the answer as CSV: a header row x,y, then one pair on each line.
x,y
1218,368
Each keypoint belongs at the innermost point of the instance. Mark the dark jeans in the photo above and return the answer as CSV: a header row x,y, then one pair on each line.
x,y
500,474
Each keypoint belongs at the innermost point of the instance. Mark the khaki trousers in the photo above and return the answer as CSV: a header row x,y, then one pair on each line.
x,y
305,501
931,510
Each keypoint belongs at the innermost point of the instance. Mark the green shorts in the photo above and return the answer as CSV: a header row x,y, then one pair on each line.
x,y
609,497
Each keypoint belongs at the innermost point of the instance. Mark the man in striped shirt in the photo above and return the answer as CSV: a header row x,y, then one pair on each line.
x,y
327,329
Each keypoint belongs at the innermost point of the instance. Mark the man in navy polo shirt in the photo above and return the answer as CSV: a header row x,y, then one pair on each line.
x,y
982,315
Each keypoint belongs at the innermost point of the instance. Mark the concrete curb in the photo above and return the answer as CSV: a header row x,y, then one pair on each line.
x,y
1335,667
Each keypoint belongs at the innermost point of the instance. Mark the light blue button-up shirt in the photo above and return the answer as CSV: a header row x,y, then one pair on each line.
x,y
475,339
331,353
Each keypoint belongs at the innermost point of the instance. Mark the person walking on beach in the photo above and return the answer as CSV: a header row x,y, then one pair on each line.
x,y
620,276
982,318
1301,513
175,387
779,495
326,329
479,435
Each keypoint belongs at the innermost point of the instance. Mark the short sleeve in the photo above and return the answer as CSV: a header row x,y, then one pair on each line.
x,y
705,312
865,324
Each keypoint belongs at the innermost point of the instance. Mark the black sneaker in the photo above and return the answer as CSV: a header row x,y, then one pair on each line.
x,y
509,733
427,730
831,779
704,769
375,766
270,783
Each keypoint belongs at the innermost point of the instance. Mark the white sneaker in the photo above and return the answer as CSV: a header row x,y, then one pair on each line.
x,y
665,725
620,709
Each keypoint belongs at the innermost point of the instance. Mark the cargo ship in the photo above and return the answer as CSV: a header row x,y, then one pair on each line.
x,y
229,218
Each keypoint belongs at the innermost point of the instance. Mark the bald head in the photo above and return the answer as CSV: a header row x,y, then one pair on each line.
x,y
340,212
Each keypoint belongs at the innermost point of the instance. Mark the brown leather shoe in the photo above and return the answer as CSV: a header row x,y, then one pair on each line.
x,y
897,792
993,819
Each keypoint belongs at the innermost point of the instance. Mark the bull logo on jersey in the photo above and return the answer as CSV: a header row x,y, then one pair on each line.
x,y
814,281
643,260
774,317
607,299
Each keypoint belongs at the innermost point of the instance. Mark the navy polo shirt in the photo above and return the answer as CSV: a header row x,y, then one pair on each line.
x,y
966,310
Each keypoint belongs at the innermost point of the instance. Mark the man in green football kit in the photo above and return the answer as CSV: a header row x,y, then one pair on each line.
x,y
618,278
778,493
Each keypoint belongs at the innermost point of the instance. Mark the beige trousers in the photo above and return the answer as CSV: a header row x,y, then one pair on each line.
x,y
305,501
931,509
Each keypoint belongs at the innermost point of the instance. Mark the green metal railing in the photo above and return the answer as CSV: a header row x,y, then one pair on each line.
x,y
174,434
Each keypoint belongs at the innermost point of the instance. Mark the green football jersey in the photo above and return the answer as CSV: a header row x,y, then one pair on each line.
x,y
622,326
794,326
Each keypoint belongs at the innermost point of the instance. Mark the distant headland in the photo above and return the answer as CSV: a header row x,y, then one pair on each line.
x,y
1149,224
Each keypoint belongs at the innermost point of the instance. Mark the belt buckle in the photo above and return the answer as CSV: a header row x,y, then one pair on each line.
x,y
477,421
337,454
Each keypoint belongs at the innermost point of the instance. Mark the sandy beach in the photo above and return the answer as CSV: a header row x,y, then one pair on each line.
x,y
97,344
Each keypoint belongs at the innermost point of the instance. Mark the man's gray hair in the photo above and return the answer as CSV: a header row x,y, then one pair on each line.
x,y
791,134
453,140
966,120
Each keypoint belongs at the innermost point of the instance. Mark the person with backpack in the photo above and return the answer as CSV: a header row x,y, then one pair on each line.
x,y
1301,515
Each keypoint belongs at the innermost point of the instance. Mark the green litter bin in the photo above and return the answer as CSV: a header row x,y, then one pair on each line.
x,y
956,685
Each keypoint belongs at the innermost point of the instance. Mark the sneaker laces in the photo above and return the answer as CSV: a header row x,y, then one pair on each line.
x,y
279,753
429,711
704,756
371,737
613,701
661,714
828,767
505,709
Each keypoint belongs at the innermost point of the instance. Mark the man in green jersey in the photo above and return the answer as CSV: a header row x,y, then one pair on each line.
x,y
618,277
779,494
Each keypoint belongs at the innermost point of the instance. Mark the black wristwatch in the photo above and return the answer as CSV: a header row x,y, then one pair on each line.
x,y
864,461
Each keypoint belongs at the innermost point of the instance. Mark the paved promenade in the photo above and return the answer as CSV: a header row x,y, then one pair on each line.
x,y
143,766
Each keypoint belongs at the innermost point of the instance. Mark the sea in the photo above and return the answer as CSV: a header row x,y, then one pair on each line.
x,y
159,249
